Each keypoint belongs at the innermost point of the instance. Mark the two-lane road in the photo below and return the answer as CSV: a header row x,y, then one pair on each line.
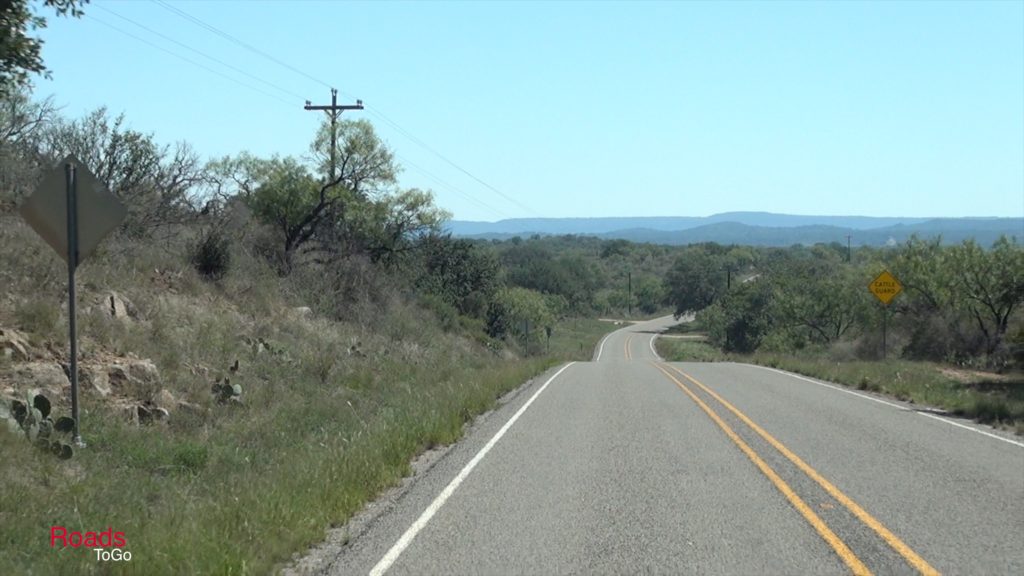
x,y
627,464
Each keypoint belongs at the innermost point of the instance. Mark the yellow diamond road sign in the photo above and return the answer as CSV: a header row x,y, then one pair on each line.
x,y
885,287
46,210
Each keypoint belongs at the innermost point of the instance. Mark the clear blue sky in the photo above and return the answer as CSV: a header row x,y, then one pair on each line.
x,y
595,109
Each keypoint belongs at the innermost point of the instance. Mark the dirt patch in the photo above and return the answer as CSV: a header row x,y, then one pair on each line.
x,y
974,376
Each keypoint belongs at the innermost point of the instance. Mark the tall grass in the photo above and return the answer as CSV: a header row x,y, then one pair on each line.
x,y
239,489
332,412
331,416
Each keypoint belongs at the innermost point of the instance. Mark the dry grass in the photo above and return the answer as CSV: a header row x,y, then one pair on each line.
x,y
332,412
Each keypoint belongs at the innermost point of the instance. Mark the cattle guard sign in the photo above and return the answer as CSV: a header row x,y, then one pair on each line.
x,y
885,287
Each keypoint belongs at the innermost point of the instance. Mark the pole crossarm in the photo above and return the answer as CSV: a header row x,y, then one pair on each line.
x,y
333,110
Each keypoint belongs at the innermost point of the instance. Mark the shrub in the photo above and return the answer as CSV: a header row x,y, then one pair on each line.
x,y
40,317
211,256
1016,347
447,315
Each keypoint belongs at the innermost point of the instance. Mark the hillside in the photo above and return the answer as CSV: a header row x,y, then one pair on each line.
x,y
346,389
754,228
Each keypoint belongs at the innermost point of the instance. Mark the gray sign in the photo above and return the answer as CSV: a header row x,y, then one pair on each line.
x,y
99,211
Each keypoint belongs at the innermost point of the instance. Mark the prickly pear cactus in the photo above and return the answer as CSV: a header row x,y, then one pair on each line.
x,y
32,418
224,392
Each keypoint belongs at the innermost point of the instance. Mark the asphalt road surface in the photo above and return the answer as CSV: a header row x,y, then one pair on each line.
x,y
629,465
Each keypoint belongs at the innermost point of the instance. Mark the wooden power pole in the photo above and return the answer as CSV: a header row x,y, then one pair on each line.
x,y
333,111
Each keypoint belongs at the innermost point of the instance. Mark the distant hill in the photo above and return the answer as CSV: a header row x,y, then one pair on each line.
x,y
754,228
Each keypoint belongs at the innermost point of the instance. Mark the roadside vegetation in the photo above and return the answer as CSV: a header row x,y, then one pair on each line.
x,y
349,331
332,409
987,397
265,347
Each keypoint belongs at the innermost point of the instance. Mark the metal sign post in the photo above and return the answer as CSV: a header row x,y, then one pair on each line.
x,y
885,329
72,204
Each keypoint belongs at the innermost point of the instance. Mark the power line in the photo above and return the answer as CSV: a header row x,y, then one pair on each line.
x,y
406,161
190,61
200,52
446,186
376,112
373,111
231,38
427,147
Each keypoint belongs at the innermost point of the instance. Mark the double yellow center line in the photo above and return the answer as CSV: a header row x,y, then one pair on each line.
x,y
844,552
628,340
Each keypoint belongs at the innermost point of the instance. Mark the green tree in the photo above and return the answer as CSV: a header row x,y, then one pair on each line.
x,y
819,300
740,319
22,125
618,247
363,162
650,294
991,285
515,310
20,52
389,227
695,281
926,310
459,272
919,265
281,192
159,184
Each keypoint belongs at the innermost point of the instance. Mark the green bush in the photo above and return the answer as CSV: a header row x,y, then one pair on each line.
x,y
211,256
446,314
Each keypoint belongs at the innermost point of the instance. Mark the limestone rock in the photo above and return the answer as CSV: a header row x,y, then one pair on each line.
x,y
144,371
189,407
117,376
95,378
14,344
49,377
117,306
130,378
164,399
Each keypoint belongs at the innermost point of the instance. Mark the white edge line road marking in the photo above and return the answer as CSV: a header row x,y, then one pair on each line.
x,y
424,518
832,386
600,347
866,397
959,425
651,343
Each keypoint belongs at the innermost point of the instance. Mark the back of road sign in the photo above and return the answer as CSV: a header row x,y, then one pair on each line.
x,y
99,211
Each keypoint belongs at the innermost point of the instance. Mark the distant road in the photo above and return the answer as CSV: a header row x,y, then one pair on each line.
x,y
627,465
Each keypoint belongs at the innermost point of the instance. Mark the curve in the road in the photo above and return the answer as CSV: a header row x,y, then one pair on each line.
x,y
610,469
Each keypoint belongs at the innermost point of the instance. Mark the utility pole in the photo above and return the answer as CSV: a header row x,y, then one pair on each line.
x,y
333,111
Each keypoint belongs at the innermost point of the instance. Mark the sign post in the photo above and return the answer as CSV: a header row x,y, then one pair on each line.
x,y
885,287
72,205
72,211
